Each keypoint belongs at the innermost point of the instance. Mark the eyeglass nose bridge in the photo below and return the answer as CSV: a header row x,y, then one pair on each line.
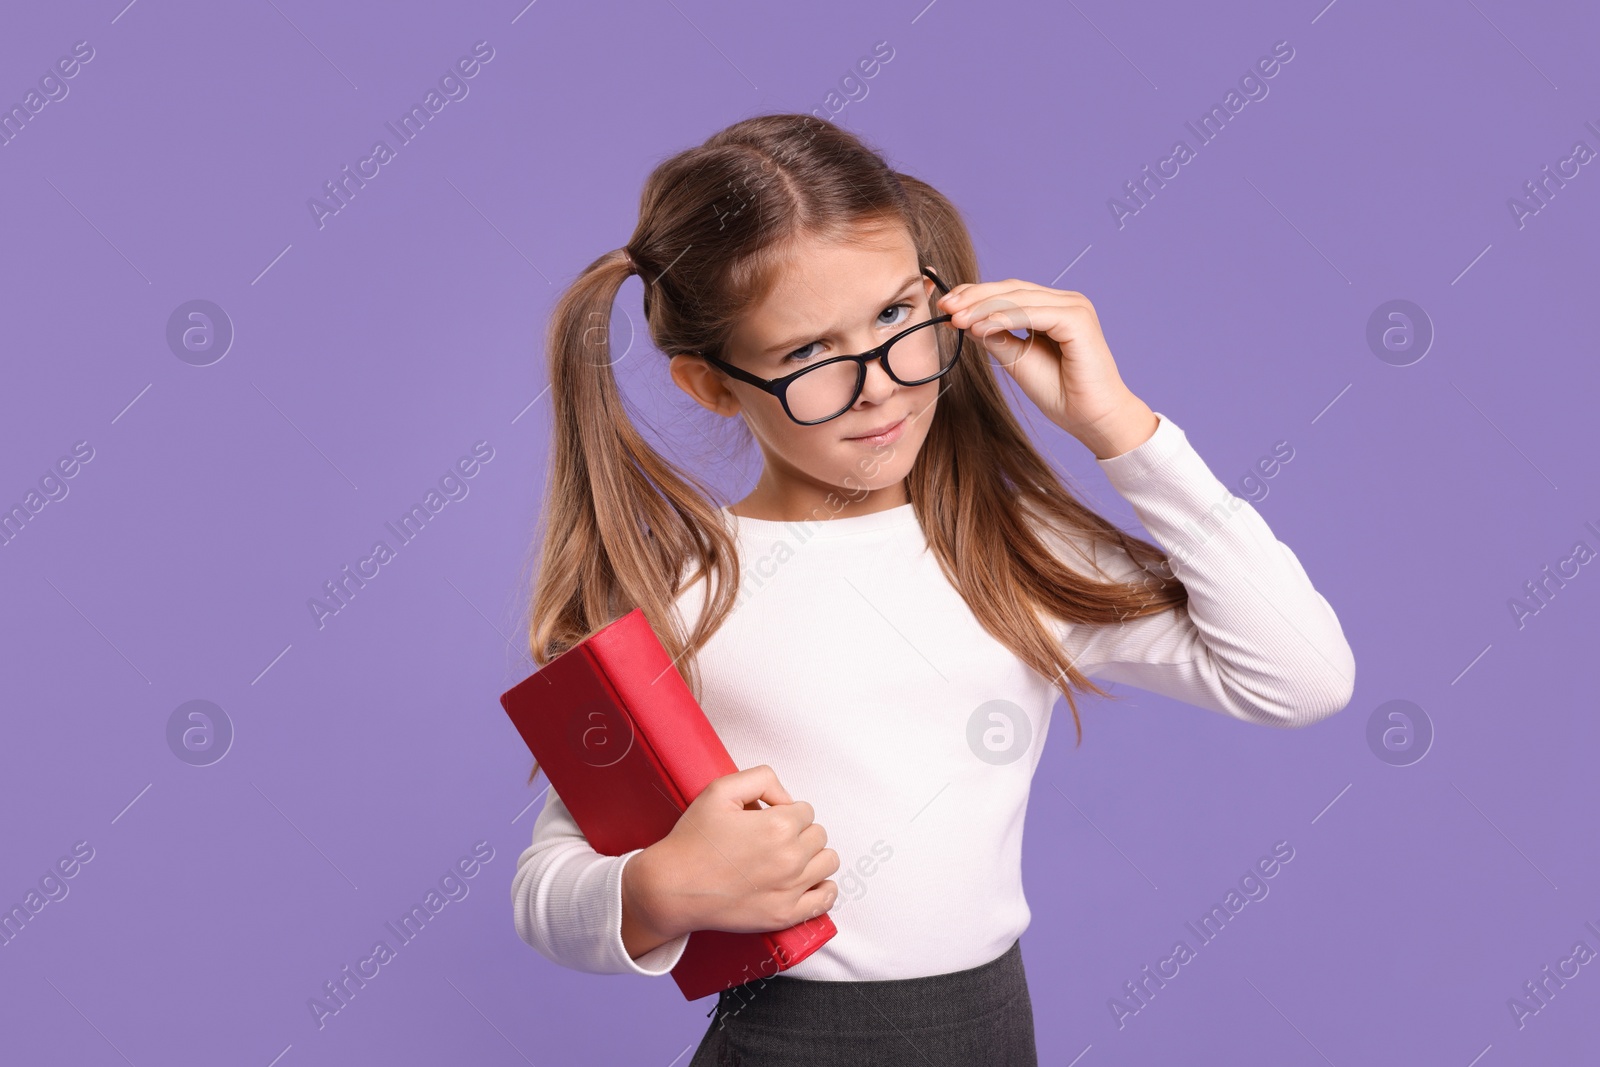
x,y
881,355
878,355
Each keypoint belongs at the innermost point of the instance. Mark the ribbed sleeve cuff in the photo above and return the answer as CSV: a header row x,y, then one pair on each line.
x,y
1128,469
657,961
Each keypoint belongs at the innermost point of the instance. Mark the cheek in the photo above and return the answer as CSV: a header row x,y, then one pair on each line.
x,y
807,448
765,418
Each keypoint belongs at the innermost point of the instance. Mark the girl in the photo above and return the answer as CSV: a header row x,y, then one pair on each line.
x,y
879,630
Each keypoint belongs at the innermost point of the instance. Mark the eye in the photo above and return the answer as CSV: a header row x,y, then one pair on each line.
x,y
800,355
896,307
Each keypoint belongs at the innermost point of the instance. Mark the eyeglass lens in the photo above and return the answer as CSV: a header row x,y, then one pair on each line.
x,y
830,390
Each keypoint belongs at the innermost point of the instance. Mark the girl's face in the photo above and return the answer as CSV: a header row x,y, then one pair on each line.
x,y
832,300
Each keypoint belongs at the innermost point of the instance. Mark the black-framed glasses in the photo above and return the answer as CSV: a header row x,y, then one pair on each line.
x,y
828,389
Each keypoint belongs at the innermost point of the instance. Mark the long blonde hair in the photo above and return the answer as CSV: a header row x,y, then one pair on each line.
x,y
620,524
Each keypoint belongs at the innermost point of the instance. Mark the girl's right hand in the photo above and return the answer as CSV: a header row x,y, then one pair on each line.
x,y
730,864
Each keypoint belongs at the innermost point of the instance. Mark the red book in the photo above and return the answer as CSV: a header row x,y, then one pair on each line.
x,y
628,748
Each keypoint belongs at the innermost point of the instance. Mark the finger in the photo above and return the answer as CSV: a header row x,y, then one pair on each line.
x,y
814,837
965,293
1047,331
1059,322
798,815
755,783
814,902
970,292
1024,295
967,315
994,329
997,322
1009,350
978,290
824,864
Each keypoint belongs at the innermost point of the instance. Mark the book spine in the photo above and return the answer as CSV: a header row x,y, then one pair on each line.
x,y
665,716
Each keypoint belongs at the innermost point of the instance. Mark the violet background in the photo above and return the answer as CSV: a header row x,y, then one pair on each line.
x,y
374,351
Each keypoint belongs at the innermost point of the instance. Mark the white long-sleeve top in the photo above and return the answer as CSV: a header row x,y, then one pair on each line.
x,y
854,669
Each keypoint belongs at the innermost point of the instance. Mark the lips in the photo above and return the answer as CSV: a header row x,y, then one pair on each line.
x,y
885,428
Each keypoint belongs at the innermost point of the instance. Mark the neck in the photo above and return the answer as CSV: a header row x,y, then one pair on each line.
x,y
805,506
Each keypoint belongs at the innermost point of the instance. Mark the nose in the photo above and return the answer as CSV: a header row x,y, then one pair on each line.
x,y
878,386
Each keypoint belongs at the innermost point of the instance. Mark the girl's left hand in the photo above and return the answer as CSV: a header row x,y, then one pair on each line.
x,y
1063,365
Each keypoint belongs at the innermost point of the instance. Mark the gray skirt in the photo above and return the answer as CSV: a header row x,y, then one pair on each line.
x,y
982,1015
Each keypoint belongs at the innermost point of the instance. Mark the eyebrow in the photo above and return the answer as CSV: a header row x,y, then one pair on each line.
x,y
793,343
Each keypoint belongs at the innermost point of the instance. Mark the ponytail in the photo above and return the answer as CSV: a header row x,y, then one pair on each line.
x,y
617,519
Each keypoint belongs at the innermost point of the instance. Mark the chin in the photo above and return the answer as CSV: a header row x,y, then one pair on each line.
x,y
879,470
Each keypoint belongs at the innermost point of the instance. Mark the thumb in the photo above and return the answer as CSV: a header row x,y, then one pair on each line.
x,y
1006,348
759,783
